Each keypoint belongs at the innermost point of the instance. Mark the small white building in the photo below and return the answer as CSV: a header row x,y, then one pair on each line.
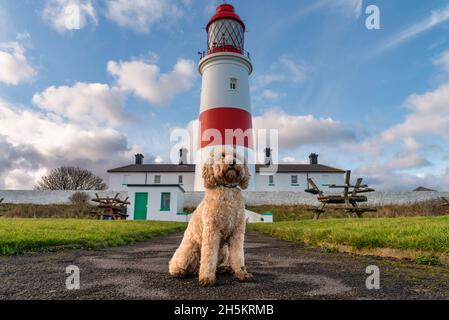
x,y
156,202
288,177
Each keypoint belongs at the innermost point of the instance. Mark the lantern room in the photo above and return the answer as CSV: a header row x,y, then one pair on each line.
x,y
225,31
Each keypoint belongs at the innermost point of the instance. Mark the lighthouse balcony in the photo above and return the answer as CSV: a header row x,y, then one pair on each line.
x,y
225,48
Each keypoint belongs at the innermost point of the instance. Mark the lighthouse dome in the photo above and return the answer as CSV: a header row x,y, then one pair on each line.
x,y
225,31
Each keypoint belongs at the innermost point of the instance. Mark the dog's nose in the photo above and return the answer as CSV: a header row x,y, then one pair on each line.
x,y
232,165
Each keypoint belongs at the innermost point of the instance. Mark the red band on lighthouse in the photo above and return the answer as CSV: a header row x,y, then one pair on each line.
x,y
234,126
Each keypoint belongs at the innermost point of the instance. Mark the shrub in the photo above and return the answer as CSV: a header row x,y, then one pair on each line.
x,y
428,260
79,198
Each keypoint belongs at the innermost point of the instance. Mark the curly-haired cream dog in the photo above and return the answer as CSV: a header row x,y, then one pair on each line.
x,y
214,238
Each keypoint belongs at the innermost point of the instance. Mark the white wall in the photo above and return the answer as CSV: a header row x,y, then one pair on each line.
x,y
154,203
192,199
282,181
118,181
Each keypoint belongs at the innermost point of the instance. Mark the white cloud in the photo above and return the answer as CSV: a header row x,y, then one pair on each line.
x,y
146,81
14,65
391,181
289,160
92,103
352,8
429,111
411,145
159,159
349,8
296,131
429,116
404,170
358,8
269,95
284,70
436,18
370,146
141,15
399,162
66,15
34,142
443,61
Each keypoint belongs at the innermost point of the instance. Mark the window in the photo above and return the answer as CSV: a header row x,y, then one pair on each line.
x,y
294,180
271,180
224,34
180,180
157,179
165,201
233,84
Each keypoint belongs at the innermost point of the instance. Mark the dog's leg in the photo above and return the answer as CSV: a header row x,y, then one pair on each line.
x,y
209,257
184,258
238,255
224,265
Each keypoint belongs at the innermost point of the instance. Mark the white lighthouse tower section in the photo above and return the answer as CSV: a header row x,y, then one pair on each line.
x,y
225,81
225,84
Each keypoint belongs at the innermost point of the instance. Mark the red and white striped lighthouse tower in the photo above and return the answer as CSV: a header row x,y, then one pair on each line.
x,y
225,115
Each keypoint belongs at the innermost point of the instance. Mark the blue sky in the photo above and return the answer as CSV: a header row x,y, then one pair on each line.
x,y
374,101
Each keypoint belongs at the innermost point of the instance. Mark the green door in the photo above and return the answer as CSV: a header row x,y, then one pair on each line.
x,y
140,206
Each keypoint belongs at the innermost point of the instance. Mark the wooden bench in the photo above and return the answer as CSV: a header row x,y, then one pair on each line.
x,y
350,198
111,208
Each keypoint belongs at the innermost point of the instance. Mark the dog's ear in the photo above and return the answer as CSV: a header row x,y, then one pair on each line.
x,y
245,181
208,176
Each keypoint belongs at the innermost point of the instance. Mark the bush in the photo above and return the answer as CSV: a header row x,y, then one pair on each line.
x,y
428,260
79,198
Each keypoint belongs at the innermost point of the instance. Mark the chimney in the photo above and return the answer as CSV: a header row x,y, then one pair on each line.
x,y
268,160
139,158
313,158
183,156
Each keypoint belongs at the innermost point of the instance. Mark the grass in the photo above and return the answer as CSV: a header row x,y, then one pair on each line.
x,y
423,239
302,212
42,235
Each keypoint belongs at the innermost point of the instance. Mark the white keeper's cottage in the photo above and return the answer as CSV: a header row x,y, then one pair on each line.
x,y
289,177
157,190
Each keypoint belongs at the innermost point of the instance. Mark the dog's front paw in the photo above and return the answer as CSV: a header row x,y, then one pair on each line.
x,y
177,272
207,281
244,276
224,270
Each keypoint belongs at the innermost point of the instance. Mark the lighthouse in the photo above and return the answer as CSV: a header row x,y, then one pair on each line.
x,y
225,119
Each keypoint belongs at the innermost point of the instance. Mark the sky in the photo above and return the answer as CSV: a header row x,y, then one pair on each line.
x,y
92,92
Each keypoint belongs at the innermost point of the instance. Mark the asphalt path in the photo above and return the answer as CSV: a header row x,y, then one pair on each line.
x,y
282,270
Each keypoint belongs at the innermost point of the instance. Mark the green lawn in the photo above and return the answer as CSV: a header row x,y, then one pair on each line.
x,y
40,235
423,234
